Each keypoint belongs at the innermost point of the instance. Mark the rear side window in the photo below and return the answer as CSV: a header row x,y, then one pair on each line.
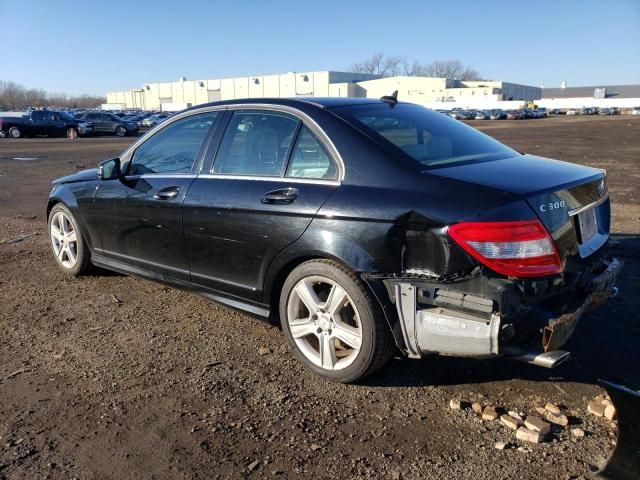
x,y
309,159
174,149
430,138
38,116
255,143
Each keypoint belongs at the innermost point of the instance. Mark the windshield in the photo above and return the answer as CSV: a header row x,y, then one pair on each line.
x,y
427,136
66,116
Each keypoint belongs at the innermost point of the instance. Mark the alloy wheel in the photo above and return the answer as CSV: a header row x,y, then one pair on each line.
x,y
324,322
64,240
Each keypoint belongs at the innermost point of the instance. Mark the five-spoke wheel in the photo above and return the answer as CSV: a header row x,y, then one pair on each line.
x,y
332,321
324,322
67,242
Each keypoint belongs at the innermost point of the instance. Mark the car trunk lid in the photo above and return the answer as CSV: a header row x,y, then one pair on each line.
x,y
570,200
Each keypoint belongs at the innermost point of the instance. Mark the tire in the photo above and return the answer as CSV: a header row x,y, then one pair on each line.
x,y
72,133
329,286
14,132
121,131
70,251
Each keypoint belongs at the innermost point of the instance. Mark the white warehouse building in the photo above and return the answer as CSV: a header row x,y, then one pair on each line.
x,y
185,93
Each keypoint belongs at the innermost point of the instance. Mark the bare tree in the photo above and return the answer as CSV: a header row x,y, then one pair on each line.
x,y
384,66
379,64
16,97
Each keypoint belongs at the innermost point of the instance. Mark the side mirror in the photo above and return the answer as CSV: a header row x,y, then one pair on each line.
x,y
109,169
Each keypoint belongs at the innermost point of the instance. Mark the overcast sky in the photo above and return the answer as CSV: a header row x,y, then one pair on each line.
x,y
94,47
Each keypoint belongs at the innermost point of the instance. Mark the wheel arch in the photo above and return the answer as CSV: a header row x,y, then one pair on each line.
x,y
278,275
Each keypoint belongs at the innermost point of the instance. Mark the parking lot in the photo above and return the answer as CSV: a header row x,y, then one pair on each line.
x,y
109,376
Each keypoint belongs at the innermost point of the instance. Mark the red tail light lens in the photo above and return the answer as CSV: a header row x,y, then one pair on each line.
x,y
515,249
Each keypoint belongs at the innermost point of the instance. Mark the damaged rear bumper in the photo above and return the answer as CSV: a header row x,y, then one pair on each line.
x,y
440,318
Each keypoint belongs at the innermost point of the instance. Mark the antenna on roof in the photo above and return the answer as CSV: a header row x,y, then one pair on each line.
x,y
390,99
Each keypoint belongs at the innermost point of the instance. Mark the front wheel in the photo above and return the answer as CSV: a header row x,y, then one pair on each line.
x,y
121,131
14,132
333,323
69,247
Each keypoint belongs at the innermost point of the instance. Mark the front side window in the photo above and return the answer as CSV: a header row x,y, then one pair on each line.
x,y
174,149
426,136
255,143
309,159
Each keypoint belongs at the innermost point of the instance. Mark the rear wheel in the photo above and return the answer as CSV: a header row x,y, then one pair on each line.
x,y
69,248
14,132
333,323
121,131
72,133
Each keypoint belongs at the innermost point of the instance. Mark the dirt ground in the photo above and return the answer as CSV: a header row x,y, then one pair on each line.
x,y
110,376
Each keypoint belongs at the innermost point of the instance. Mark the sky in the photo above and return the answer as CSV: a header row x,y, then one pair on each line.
x,y
93,47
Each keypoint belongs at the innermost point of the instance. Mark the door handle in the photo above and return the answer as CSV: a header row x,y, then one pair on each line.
x,y
168,193
284,195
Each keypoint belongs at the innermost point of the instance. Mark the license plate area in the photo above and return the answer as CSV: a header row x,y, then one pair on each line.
x,y
587,225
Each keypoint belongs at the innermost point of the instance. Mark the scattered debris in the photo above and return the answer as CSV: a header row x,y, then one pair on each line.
x,y
550,407
253,465
577,432
264,351
610,412
19,238
116,299
315,446
558,419
15,374
515,415
537,425
489,414
476,407
541,411
500,445
527,435
596,408
455,404
509,421
95,329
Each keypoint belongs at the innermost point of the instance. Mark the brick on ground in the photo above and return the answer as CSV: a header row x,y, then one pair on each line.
x,y
537,425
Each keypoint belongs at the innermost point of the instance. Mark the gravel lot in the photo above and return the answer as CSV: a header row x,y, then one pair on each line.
x,y
115,377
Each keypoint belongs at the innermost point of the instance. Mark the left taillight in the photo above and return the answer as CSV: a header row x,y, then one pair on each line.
x,y
514,249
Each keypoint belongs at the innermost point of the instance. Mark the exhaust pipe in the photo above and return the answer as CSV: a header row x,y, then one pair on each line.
x,y
542,359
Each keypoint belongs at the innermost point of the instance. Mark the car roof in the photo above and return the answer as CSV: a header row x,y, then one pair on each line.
x,y
322,102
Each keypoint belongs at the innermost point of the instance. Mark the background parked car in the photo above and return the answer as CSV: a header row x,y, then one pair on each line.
x,y
108,123
481,115
154,120
44,122
635,111
497,114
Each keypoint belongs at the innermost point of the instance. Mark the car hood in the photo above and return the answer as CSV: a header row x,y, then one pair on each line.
x,y
520,175
83,176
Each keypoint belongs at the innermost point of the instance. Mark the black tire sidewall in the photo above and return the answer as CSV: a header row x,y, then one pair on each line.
x,y
82,262
367,310
121,129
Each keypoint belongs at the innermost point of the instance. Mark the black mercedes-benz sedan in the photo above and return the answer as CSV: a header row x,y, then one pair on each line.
x,y
362,227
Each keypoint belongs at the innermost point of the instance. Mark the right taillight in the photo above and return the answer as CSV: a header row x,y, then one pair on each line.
x,y
515,249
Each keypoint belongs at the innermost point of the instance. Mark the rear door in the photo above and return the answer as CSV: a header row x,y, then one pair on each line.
x,y
56,124
270,176
139,218
39,122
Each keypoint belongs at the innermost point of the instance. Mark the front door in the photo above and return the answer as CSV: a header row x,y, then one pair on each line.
x,y
270,177
139,218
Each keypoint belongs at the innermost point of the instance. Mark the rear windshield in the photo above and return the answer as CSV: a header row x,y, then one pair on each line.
x,y
429,137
